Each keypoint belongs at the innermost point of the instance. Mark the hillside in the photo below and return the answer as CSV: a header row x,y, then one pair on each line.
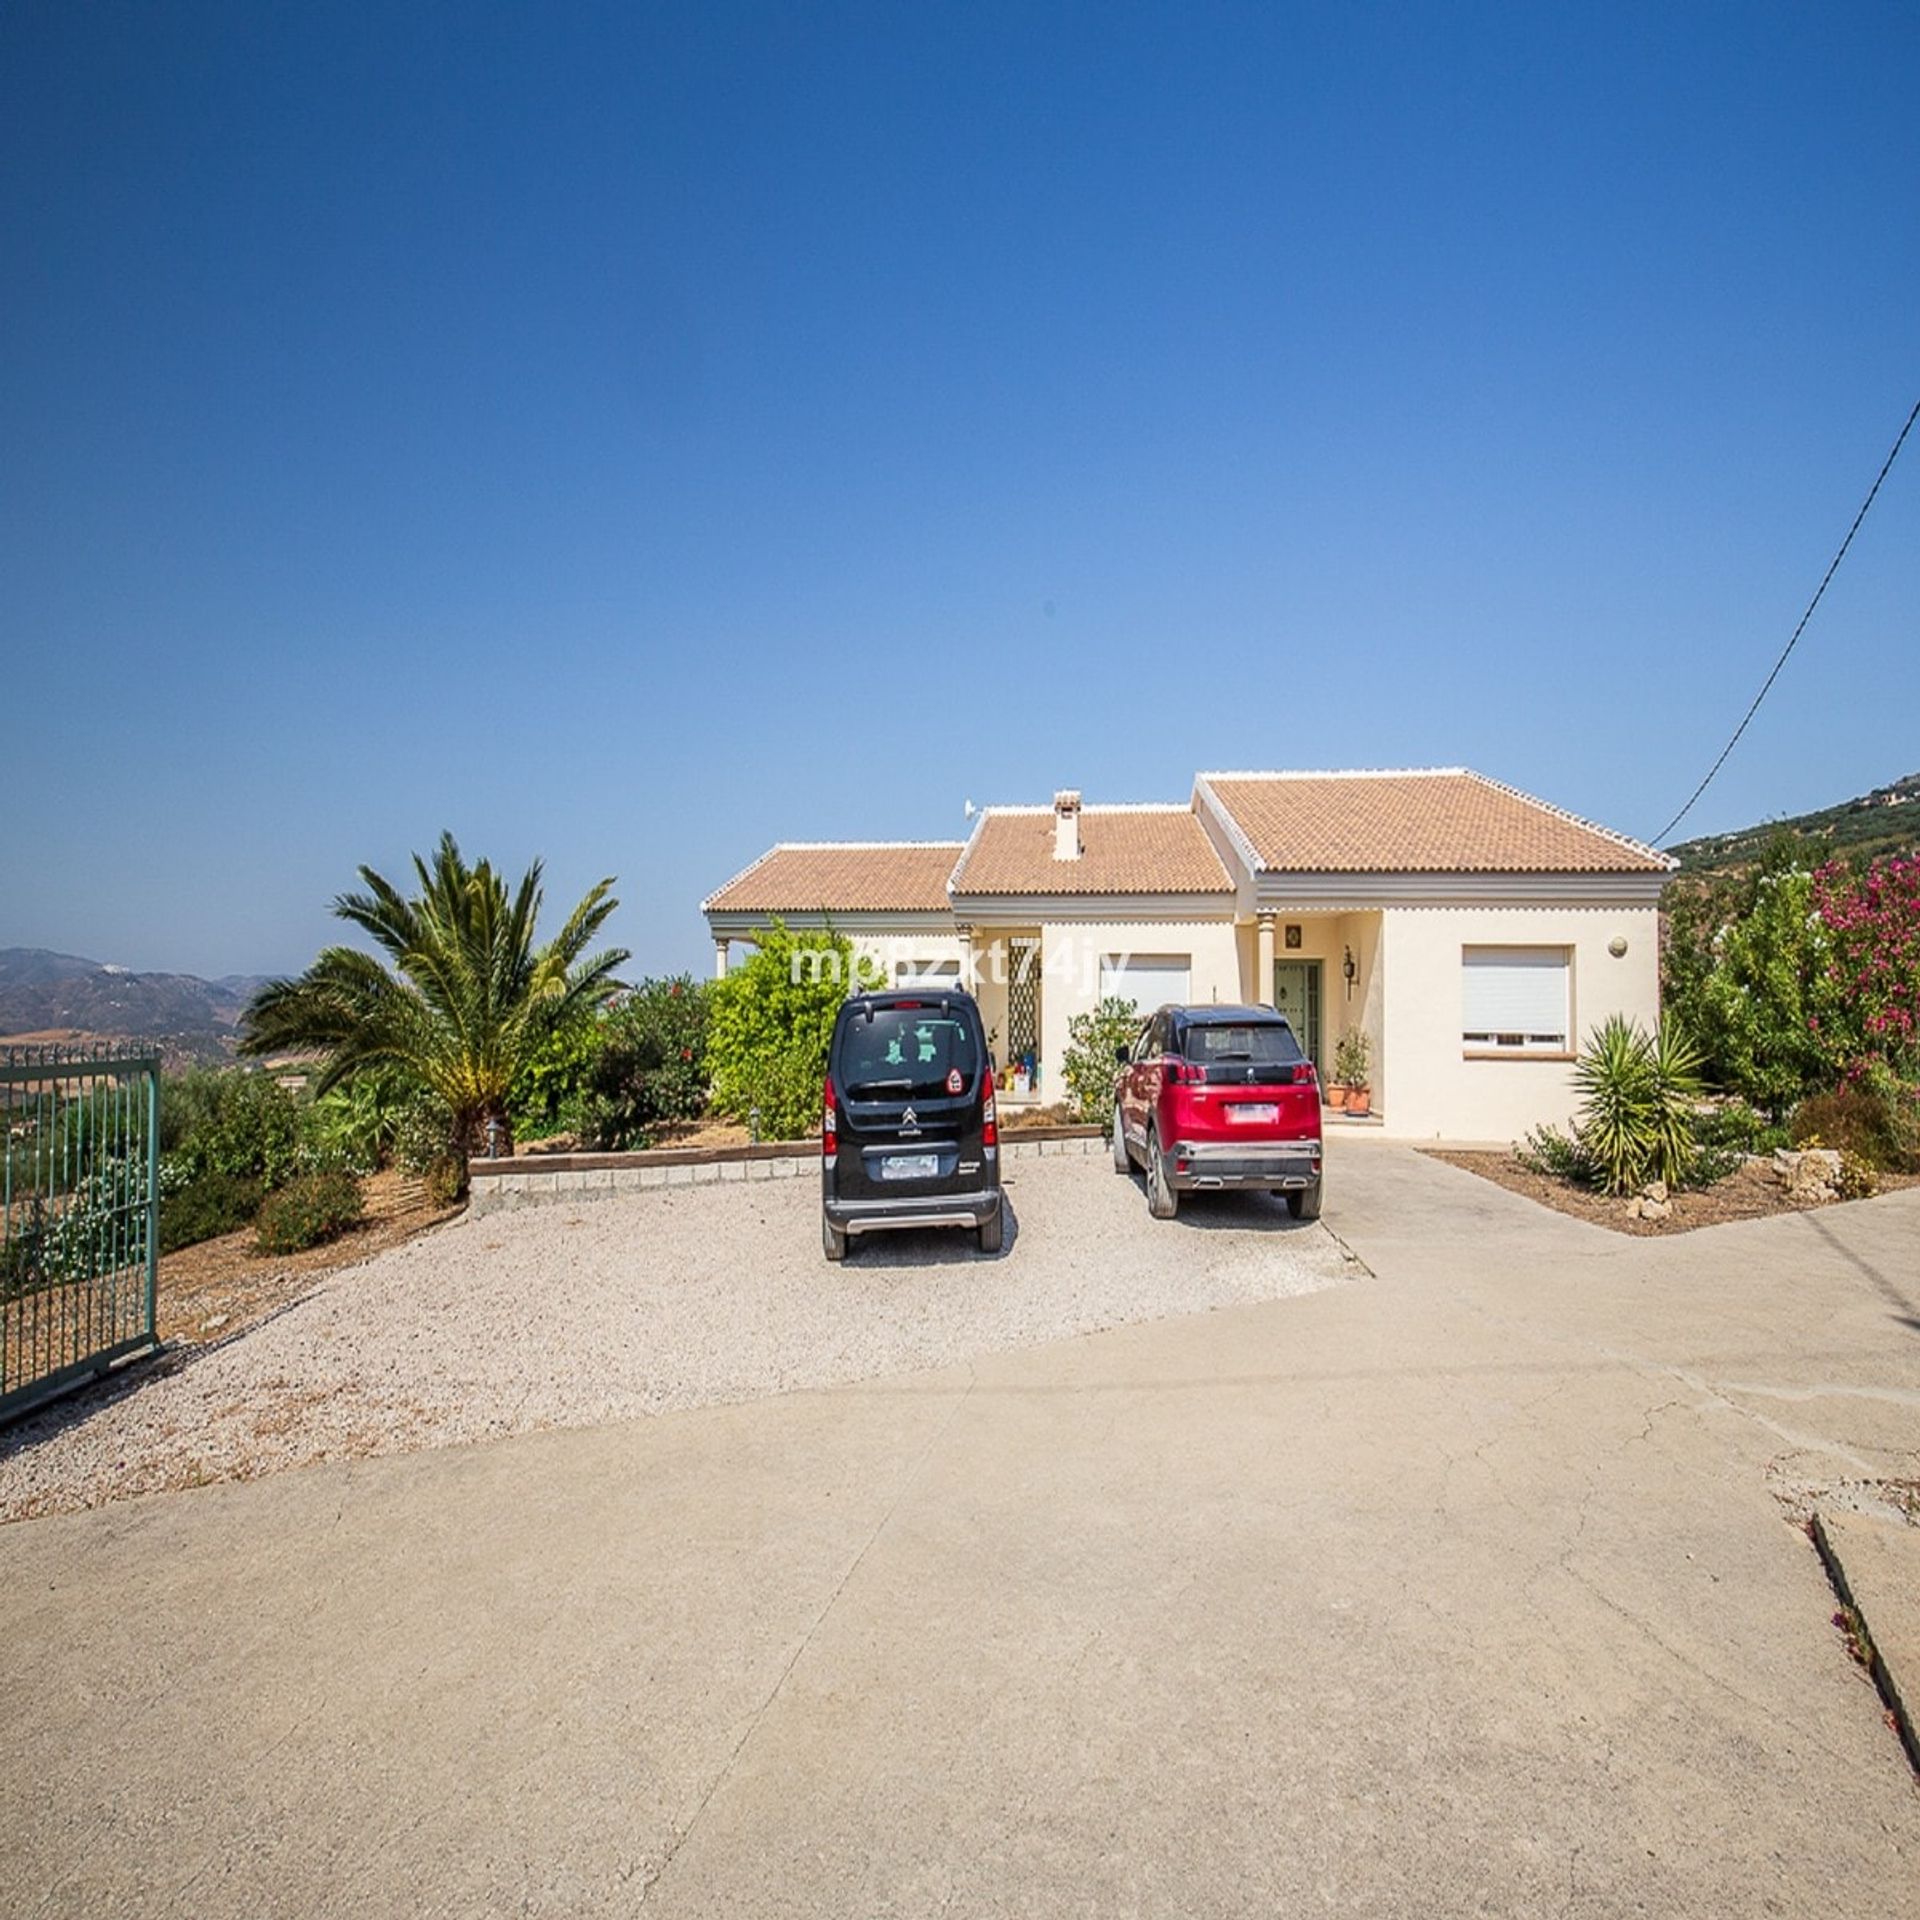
x,y
60,996
1883,822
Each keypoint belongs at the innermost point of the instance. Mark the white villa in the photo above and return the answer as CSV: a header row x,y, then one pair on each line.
x,y
1472,932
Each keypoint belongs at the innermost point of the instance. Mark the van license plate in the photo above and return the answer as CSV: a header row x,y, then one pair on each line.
x,y
910,1166
1258,1115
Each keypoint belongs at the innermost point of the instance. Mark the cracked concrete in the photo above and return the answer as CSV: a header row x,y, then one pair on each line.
x,y
1468,1588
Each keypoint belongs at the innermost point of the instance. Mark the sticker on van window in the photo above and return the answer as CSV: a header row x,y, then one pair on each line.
x,y
954,1082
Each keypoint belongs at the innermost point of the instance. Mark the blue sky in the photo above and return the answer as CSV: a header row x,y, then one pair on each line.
x,y
565,425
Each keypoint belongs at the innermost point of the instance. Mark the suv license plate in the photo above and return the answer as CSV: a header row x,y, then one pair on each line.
x,y
1264,1113
910,1166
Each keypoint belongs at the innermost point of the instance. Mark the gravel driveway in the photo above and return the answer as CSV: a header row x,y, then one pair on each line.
x,y
565,1316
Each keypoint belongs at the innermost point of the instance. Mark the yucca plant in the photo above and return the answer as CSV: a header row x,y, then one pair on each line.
x,y
1614,1076
468,998
1678,1086
1637,1095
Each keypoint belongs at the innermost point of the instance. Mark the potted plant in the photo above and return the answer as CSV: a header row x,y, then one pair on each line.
x,y
1352,1061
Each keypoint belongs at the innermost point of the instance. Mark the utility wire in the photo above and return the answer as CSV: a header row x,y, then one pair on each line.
x,y
1886,469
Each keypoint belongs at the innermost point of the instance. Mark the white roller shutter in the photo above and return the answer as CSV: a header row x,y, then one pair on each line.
x,y
1515,998
1149,980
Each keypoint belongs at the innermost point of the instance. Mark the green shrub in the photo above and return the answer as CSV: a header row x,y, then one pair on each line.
x,y
1548,1150
1352,1058
650,1068
547,1094
206,1205
354,1125
445,1181
1090,1069
1732,1126
1858,1180
423,1132
1760,1004
231,1120
310,1208
769,1024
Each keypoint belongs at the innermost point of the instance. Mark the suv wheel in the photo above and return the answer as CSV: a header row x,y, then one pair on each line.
x,y
1163,1198
832,1241
993,1230
1304,1202
1122,1159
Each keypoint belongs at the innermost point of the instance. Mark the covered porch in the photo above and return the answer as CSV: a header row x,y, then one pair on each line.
x,y
1323,971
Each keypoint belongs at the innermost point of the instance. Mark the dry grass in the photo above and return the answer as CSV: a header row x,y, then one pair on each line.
x,y
216,1289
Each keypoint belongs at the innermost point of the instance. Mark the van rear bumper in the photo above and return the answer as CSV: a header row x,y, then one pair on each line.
x,y
913,1210
1276,1166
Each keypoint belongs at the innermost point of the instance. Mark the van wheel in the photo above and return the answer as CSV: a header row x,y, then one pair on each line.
x,y
1163,1197
833,1243
1304,1202
993,1230
1122,1159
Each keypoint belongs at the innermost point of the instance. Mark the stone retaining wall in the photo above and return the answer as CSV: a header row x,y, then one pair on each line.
x,y
532,1180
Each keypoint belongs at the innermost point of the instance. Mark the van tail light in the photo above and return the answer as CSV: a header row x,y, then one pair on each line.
x,y
829,1122
989,1114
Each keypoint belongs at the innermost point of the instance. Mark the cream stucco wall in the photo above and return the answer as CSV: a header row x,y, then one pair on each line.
x,y
887,949
1424,1086
1071,984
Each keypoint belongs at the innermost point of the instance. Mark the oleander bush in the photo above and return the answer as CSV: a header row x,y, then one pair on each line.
x,y
649,1068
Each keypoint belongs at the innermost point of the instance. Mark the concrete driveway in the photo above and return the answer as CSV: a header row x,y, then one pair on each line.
x,y
1465,1589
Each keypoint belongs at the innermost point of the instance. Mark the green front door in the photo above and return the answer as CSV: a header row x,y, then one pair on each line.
x,y
1296,993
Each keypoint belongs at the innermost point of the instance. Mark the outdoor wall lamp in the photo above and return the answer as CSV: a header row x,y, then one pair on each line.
x,y
1617,946
1348,971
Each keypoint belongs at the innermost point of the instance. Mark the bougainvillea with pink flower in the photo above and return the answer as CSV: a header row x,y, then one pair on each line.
x,y
1872,963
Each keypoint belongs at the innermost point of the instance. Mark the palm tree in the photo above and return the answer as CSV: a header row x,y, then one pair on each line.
x,y
468,999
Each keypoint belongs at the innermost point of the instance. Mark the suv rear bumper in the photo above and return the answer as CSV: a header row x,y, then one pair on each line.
x,y
1276,1166
924,1210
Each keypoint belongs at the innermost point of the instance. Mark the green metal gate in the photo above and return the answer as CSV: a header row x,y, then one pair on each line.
x,y
79,1216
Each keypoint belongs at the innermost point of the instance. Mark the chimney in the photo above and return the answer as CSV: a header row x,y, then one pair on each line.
x,y
1066,826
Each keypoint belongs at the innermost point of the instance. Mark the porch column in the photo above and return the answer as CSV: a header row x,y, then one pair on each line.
x,y
1263,987
720,958
967,981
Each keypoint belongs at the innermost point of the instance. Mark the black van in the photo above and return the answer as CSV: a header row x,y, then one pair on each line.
x,y
908,1134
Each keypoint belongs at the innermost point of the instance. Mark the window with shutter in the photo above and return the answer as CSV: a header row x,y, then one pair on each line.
x,y
1516,999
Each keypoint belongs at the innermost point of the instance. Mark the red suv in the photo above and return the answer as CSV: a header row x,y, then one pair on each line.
x,y
1216,1097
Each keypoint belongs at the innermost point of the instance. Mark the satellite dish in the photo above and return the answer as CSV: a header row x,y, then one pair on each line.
x,y
968,811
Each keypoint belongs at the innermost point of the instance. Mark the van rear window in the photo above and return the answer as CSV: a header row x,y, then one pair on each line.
x,y
908,1051
1262,1043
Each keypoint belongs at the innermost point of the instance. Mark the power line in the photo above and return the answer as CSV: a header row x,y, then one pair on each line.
x,y
1886,468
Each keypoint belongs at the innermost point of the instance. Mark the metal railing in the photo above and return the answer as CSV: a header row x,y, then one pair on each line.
x,y
79,1216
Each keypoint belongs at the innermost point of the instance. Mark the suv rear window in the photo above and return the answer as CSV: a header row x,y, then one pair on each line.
x,y
908,1051
1262,1043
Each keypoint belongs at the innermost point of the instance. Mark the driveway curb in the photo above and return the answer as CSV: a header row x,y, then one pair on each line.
x,y
1875,1569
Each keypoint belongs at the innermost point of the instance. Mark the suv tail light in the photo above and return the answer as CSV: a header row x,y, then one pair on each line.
x,y
989,1113
829,1122
1185,1073
1304,1075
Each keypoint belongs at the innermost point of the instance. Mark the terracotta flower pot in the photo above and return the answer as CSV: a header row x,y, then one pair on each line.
x,y
1359,1100
1336,1097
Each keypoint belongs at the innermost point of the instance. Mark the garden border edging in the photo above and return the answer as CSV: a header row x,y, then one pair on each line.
x,y
543,1179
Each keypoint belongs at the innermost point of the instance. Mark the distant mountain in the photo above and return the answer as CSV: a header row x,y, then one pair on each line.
x,y
62,996
1883,822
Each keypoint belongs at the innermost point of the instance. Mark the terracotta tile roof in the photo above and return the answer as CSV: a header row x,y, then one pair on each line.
x,y
1442,821
890,877
1122,850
